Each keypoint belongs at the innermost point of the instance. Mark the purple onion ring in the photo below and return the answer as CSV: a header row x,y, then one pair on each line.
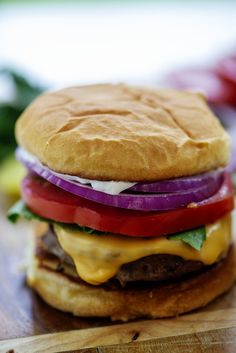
x,y
141,202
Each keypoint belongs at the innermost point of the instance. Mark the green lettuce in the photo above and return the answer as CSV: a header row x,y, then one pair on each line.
x,y
194,237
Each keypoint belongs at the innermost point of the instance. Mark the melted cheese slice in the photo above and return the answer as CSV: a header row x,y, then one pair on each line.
x,y
97,258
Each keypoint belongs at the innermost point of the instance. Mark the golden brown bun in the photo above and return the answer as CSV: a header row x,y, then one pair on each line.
x,y
81,299
119,132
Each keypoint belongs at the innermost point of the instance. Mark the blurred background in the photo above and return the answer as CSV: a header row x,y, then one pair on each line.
x,y
51,44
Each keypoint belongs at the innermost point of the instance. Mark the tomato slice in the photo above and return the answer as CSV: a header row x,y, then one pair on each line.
x,y
53,203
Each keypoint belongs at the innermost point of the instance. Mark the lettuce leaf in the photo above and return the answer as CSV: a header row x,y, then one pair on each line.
x,y
194,237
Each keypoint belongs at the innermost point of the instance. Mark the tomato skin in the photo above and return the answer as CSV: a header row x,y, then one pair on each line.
x,y
53,203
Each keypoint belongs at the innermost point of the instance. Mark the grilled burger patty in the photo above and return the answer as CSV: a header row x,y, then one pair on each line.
x,y
148,269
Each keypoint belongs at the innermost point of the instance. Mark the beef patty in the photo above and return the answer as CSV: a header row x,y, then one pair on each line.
x,y
147,269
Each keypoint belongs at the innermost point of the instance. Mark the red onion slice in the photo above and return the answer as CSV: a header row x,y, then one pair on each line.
x,y
180,184
142,202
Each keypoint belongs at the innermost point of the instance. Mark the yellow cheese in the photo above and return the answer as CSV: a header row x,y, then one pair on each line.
x,y
97,258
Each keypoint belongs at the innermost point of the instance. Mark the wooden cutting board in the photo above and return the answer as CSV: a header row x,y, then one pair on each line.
x,y
28,325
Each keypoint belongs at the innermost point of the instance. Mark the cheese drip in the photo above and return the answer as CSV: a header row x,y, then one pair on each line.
x,y
97,258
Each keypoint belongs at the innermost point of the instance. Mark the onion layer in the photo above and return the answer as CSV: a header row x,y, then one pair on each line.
x,y
177,185
141,202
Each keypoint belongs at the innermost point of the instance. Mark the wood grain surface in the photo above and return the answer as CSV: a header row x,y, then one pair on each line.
x,y
28,325
124,333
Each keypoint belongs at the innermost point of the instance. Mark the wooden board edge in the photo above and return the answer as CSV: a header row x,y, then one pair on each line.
x,y
122,333
214,341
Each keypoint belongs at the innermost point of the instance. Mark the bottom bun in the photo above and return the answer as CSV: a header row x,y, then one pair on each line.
x,y
81,299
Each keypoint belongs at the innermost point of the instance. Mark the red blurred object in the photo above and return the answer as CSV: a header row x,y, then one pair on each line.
x,y
226,69
218,83
217,90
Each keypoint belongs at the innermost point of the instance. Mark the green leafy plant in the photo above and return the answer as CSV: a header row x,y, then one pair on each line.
x,y
24,93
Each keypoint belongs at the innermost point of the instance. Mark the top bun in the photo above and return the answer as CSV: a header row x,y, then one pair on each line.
x,y
119,132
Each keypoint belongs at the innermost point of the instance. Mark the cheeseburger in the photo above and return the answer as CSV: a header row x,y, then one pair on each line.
x,y
134,202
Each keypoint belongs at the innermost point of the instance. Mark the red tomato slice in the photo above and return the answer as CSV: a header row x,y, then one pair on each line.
x,y
50,202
